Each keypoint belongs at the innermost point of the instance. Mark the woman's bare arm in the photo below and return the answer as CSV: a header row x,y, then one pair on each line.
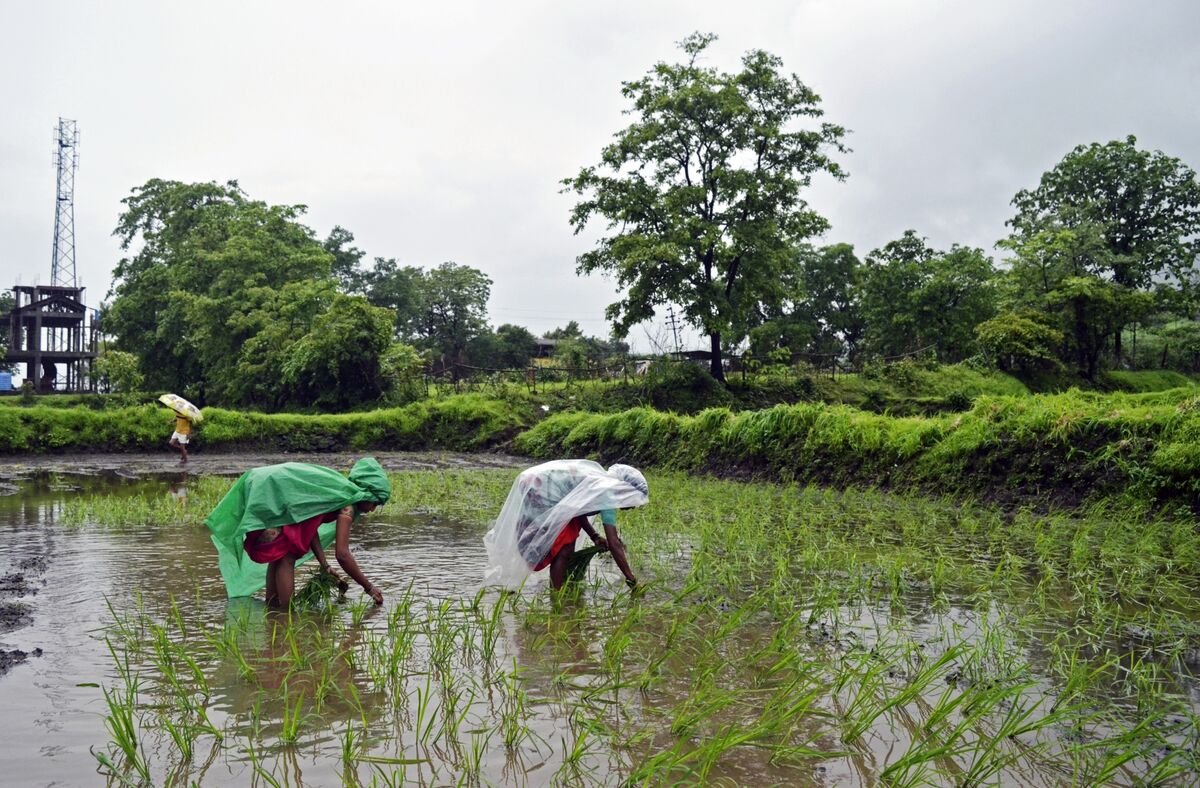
x,y
599,540
345,559
618,553
319,552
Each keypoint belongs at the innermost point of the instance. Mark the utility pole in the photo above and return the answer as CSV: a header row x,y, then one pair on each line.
x,y
673,324
66,160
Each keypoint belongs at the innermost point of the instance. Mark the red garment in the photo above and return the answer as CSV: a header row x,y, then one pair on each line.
x,y
566,536
295,540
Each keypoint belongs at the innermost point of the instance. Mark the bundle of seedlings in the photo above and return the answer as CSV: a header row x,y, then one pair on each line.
x,y
320,590
578,565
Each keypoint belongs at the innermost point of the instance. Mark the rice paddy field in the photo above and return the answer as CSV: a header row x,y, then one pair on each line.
x,y
783,635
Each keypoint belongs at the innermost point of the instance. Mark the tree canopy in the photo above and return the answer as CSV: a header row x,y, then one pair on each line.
x,y
701,193
233,300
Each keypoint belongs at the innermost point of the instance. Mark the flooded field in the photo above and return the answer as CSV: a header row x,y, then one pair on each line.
x,y
785,636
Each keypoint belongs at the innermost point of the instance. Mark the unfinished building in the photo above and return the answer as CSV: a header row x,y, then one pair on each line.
x,y
51,332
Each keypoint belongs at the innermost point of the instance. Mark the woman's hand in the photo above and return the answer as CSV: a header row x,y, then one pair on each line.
x,y
601,542
375,594
342,584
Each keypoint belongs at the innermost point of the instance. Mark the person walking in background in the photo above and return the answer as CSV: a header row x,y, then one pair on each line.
x,y
181,436
547,508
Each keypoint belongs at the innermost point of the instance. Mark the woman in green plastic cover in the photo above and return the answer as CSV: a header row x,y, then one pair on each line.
x,y
277,516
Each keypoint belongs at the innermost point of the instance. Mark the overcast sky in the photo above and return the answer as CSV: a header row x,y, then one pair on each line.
x,y
440,131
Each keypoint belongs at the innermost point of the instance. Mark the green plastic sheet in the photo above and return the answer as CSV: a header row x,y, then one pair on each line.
x,y
277,495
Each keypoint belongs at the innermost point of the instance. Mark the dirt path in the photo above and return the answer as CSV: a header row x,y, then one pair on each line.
x,y
15,468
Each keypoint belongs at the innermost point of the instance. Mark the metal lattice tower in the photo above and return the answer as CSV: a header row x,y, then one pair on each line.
x,y
66,159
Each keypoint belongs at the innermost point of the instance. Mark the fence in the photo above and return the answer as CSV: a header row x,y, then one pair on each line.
x,y
468,377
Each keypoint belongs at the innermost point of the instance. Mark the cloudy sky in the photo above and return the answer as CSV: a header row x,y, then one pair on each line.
x,y
440,131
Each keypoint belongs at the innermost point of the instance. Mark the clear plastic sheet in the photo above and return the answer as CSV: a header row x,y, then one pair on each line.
x,y
542,501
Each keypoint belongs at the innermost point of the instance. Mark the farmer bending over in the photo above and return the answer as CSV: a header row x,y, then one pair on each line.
x,y
282,515
546,509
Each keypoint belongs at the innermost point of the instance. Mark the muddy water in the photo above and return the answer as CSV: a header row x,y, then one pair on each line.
x,y
57,582
428,567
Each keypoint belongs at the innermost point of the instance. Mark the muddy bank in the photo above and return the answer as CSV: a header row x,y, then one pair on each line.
x,y
23,581
17,468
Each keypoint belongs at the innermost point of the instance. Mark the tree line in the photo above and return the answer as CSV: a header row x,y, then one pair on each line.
x,y
701,197
702,201
238,302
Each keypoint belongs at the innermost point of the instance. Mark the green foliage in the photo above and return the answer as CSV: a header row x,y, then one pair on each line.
x,y
915,297
571,352
1138,215
1022,344
1143,381
400,371
339,362
832,280
508,347
1145,207
701,192
681,387
232,300
453,309
117,371
1064,448
460,423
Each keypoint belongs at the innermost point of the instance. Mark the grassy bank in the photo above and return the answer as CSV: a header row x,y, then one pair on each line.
x,y
463,422
1063,448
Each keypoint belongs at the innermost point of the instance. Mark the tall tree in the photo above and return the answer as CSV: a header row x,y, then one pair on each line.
x,y
832,278
702,192
391,286
205,252
233,300
1063,274
915,296
346,258
1145,205
453,309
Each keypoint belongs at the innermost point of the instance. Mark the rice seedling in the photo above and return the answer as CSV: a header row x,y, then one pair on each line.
x,y
881,637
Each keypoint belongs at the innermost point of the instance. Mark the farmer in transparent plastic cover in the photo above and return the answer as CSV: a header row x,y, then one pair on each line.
x,y
546,509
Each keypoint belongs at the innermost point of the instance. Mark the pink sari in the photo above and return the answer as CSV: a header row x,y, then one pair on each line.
x,y
294,540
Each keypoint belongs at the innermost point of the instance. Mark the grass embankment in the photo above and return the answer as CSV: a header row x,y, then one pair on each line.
x,y
462,423
1065,448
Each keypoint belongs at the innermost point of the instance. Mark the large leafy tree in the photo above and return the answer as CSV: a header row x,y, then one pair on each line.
x,y
452,309
701,193
347,259
915,297
231,299
1063,274
832,278
398,288
1144,206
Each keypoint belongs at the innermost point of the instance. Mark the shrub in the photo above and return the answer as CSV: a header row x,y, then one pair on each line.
x,y
1020,343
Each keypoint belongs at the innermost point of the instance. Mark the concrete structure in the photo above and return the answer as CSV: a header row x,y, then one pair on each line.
x,y
49,331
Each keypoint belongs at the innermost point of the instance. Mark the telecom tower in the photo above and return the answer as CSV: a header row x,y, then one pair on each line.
x,y
66,159
48,327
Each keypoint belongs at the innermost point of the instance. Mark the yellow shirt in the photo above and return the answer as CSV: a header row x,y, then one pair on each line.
x,y
183,426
